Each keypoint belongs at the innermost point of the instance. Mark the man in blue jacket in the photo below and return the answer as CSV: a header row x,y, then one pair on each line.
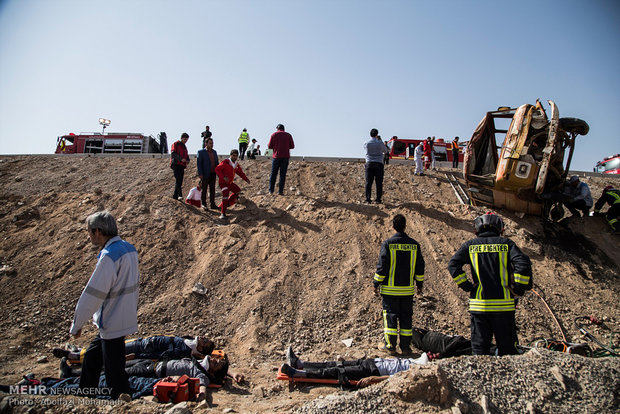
x,y
207,161
111,299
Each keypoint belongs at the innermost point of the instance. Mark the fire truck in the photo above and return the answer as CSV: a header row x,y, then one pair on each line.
x,y
111,143
609,165
403,149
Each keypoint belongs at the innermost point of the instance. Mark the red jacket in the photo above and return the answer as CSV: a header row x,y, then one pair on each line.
x,y
427,148
227,169
281,143
178,154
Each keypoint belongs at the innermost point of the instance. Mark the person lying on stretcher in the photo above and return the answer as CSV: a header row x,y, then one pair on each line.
x,y
153,347
365,371
212,369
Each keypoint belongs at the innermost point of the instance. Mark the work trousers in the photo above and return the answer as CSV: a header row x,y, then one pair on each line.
x,y
374,172
455,158
612,216
210,181
486,325
109,353
230,192
397,320
576,206
179,172
243,146
141,368
278,165
353,370
419,166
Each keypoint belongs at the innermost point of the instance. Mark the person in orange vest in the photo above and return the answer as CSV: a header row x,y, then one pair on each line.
x,y
455,152
226,171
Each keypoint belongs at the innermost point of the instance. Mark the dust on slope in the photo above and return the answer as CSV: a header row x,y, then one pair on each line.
x,y
294,269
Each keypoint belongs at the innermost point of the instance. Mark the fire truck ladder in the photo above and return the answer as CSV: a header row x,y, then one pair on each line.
x,y
461,195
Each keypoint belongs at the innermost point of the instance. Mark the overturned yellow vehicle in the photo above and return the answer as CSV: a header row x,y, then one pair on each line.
x,y
531,160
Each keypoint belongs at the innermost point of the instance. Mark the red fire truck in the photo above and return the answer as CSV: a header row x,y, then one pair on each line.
x,y
609,165
403,149
111,143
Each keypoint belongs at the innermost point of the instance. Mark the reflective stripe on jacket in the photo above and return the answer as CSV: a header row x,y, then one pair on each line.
x,y
400,266
610,197
499,269
244,138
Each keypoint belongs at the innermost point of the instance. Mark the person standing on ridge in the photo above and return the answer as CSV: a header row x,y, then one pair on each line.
x,y
417,157
375,152
206,162
206,134
428,148
499,272
281,143
178,162
111,299
455,152
244,139
400,266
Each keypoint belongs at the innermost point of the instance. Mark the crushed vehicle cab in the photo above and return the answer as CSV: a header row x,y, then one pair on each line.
x,y
531,160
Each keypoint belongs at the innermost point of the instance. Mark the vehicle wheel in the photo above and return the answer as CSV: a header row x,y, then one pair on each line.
x,y
576,125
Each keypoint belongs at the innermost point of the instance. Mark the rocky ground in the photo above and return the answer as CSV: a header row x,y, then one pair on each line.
x,y
296,269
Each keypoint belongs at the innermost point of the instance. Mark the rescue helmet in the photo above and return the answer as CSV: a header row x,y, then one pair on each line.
x,y
489,221
573,179
609,187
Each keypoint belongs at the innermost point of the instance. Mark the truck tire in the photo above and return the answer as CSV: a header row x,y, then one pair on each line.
x,y
575,125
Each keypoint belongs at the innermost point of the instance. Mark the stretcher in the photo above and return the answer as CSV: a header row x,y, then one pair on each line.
x,y
294,380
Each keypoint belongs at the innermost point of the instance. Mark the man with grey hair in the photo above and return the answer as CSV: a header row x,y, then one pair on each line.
x,y
111,298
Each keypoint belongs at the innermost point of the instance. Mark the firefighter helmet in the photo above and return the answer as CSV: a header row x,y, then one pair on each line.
x,y
490,221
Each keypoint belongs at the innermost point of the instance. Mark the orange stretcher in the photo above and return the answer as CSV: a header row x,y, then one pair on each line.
x,y
293,380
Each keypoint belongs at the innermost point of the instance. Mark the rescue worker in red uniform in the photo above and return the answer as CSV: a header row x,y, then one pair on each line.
x,y
610,196
428,150
226,171
499,272
400,265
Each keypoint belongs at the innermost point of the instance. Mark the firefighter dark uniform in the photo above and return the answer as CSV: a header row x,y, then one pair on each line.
x,y
400,266
610,196
499,271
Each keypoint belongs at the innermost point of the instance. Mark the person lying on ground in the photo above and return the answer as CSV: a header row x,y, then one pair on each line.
x,y
365,371
138,386
209,370
438,345
154,347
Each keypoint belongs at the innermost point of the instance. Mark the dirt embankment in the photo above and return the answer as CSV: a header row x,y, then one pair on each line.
x,y
281,270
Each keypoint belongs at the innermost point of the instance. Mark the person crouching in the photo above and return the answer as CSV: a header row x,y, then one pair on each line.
x,y
226,171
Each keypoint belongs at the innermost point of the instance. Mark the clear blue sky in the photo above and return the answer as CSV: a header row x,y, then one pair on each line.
x,y
328,70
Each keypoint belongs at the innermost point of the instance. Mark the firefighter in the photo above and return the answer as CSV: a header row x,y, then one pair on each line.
x,y
499,272
610,196
226,171
400,265
244,139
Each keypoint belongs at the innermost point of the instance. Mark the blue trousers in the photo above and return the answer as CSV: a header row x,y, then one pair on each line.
x,y
278,165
